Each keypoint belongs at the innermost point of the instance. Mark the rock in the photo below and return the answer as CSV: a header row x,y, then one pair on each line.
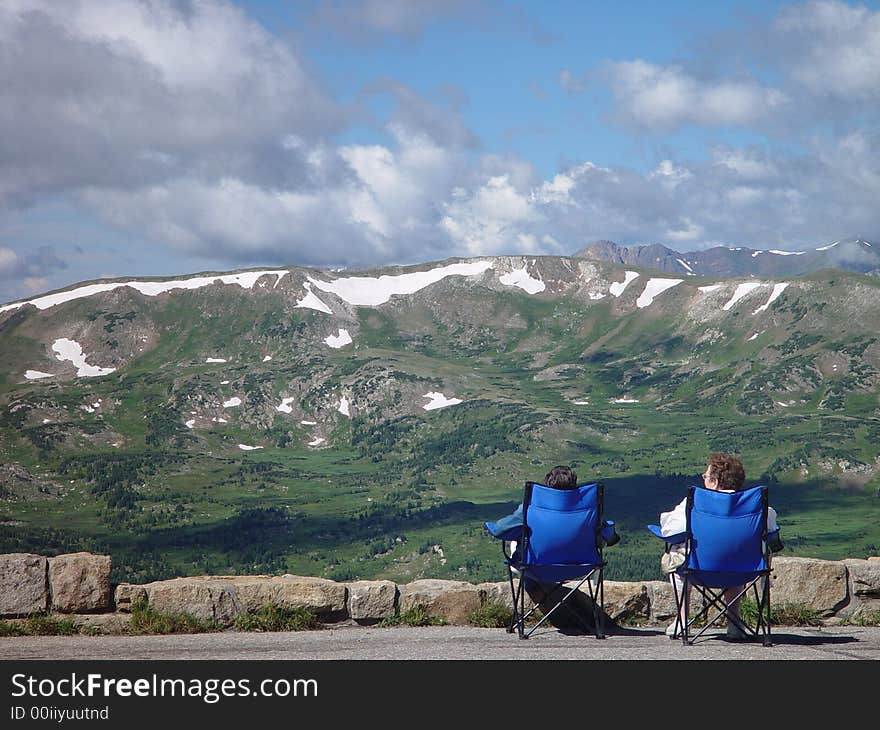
x,y
817,584
662,600
625,601
450,600
102,623
204,598
371,600
24,588
500,593
79,582
864,589
126,594
864,577
324,598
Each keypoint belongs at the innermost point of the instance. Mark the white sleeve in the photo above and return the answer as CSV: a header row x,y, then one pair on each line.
x,y
771,520
674,522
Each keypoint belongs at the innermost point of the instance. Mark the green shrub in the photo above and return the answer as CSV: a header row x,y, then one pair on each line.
x,y
491,615
147,620
417,616
8,628
272,617
786,614
864,618
39,624
42,624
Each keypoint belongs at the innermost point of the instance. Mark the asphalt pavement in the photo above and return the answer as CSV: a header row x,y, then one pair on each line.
x,y
449,642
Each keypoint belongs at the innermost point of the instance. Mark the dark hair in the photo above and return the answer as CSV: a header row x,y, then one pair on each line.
x,y
561,477
728,470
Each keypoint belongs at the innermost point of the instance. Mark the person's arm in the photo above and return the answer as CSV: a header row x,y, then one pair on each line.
x,y
774,541
674,522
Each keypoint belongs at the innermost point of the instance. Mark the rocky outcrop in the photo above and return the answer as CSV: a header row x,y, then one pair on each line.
x,y
371,600
127,594
208,600
23,586
80,582
324,598
627,601
499,593
450,600
819,584
864,588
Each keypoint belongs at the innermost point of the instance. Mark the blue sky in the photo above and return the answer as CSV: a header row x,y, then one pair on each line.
x,y
176,136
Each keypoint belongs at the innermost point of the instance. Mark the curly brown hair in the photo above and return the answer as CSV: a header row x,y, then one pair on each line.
x,y
728,470
561,477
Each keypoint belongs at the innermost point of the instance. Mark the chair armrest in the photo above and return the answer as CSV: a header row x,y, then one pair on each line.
x,y
774,541
608,535
511,533
670,539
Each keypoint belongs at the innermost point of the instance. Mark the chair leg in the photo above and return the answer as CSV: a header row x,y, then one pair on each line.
x,y
675,579
512,626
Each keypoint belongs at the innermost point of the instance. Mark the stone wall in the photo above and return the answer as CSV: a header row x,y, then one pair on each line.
x,y
80,583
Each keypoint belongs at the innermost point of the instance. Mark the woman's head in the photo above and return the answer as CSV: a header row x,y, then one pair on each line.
x,y
724,472
561,477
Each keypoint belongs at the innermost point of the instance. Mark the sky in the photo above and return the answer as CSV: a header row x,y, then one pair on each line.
x,y
167,137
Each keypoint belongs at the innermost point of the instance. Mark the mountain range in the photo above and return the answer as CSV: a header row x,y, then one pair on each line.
x,y
365,423
853,254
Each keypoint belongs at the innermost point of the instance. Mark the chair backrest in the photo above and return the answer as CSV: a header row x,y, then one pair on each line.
x,y
562,524
727,530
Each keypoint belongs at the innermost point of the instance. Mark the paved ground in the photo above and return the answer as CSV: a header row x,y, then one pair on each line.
x,y
447,642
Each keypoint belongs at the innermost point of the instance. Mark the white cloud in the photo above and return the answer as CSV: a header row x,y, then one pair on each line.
x,y
492,219
652,96
832,48
124,93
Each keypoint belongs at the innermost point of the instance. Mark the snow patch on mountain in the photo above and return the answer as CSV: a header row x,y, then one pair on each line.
x,y
338,340
522,279
245,279
617,288
66,349
438,400
741,291
36,374
371,291
777,290
311,301
654,288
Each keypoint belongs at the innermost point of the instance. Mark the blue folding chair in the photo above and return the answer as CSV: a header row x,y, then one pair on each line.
x,y
560,538
726,546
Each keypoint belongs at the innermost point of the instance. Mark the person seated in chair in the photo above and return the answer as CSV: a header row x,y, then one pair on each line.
x,y
546,595
724,473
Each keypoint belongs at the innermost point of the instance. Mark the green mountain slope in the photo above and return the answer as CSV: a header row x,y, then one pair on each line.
x,y
277,421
